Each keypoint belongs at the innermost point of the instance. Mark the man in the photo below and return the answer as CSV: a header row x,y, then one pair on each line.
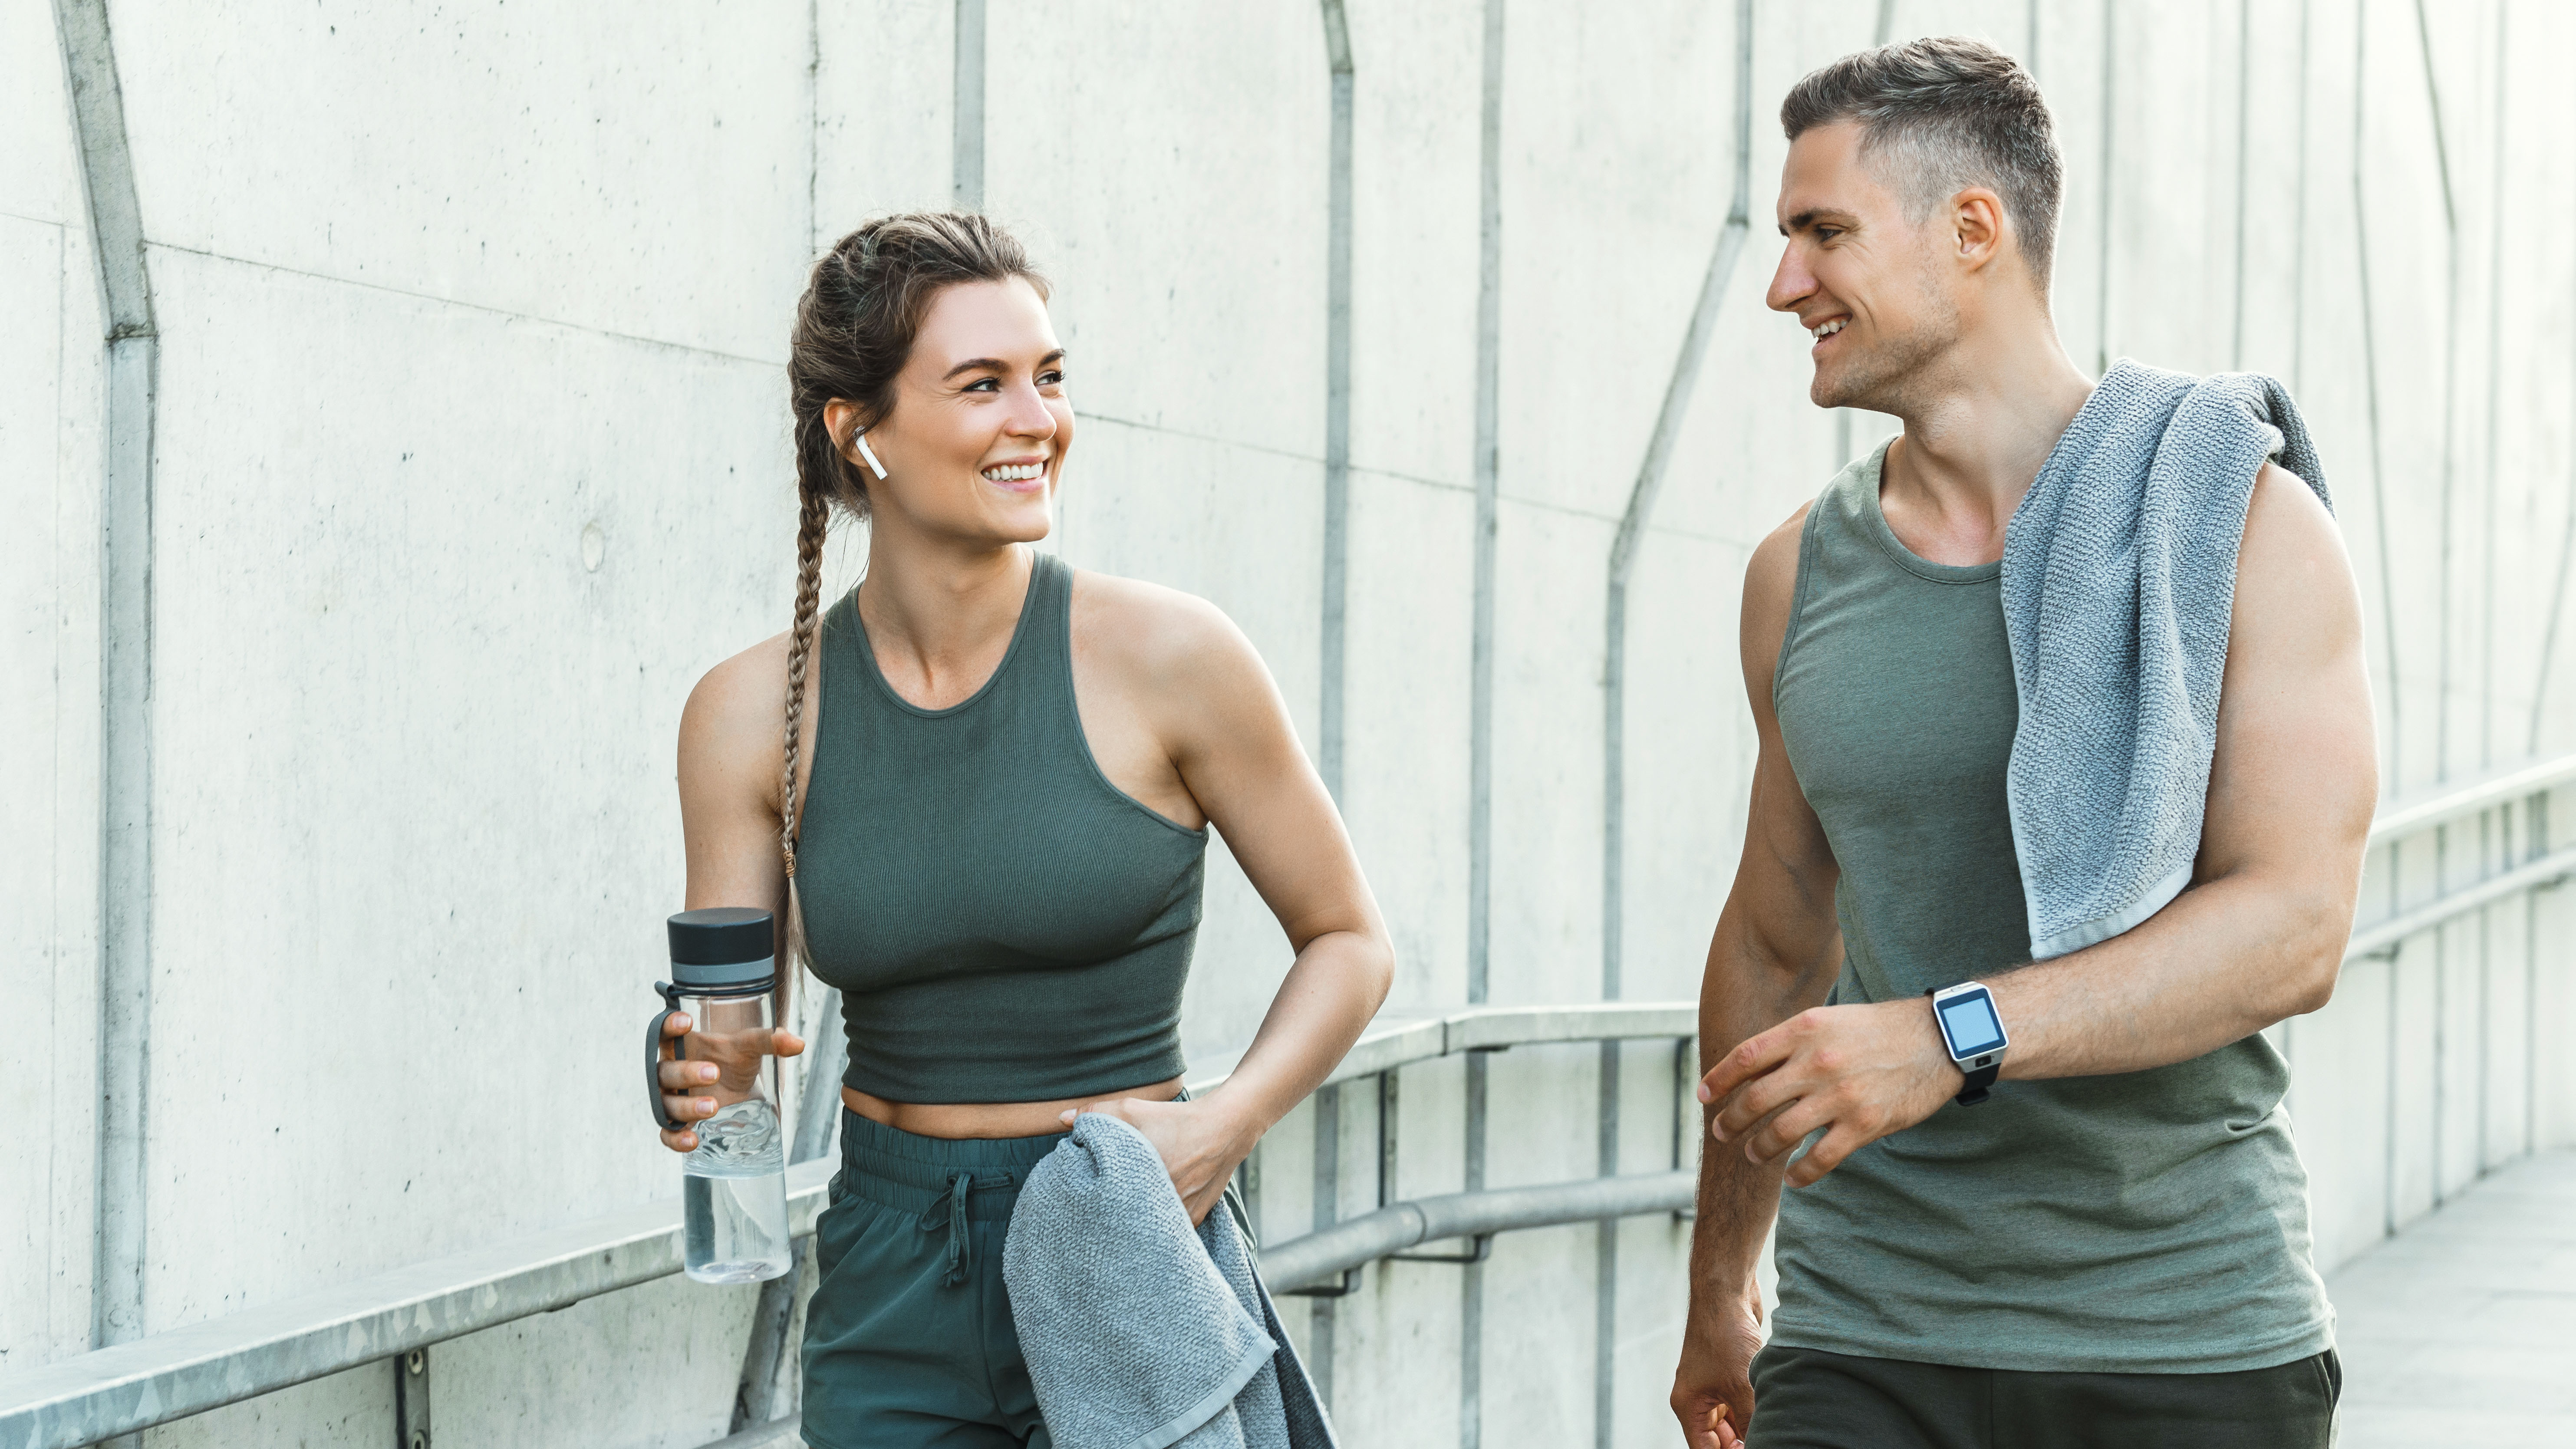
x,y
2114,1249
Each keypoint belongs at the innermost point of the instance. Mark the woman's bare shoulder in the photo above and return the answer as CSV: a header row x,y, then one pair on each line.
x,y
731,724
1155,632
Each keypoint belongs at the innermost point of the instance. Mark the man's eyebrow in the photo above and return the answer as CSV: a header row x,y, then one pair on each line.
x,y
996,364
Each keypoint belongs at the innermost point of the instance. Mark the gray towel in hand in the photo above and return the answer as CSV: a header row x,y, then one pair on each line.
x,y
1139,1330
2119,576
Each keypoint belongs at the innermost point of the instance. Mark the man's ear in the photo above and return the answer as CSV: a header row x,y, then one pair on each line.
x,y
1977,227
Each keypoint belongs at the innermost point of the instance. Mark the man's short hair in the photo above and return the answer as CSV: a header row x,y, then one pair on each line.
x,y
1943,114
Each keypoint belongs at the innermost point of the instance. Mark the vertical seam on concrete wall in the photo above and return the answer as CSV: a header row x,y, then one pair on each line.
x,y
2450,447
2244,128
2446,585
125,674
2298,343
2370,376
1323,1314
2299,221
2387,583
1480,724
1642,495
966,109
813,126
1337,404
2494,468
1487,472
2102,254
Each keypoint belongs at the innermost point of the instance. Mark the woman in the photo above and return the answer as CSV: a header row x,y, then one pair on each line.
x,y
996,835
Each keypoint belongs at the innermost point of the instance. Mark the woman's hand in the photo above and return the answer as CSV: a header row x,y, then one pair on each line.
x,y
1200,1143
722,1064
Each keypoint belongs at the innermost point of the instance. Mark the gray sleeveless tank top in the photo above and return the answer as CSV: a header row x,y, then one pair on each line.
x,y
1004,924
2150,1222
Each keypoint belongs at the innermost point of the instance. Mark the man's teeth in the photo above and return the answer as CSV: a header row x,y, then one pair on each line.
x,y
1830,328
1015,472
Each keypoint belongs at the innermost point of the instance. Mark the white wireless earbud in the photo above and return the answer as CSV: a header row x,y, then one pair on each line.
x,y
861,439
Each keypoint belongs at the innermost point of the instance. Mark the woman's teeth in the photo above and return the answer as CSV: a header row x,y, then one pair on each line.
x,y
1830,328
1015,472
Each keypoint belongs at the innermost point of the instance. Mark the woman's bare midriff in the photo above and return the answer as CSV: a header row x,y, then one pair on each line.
x,y
988,1119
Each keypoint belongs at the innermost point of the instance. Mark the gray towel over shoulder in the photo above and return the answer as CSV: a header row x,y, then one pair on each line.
x,y
1139,1330
2119,578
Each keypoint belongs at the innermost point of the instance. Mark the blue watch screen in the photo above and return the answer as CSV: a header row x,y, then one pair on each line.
x,y
1971,1025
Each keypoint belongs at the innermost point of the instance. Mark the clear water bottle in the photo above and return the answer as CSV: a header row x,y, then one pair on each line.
x,y
734,1186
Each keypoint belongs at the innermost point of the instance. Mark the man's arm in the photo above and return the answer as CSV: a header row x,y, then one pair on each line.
x,y
2258,936
1775,953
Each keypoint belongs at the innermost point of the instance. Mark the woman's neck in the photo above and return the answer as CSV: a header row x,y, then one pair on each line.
x,y
939,618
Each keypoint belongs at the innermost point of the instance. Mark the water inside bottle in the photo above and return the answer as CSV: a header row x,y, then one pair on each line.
x,y
734,1191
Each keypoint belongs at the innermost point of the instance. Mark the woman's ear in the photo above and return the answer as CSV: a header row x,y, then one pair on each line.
x,y
841,420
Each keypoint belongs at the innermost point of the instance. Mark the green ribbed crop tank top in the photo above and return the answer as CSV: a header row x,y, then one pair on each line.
x,y
1004,924
2146,1222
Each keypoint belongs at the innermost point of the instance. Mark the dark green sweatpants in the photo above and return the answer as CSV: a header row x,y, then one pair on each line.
x,y
908,1340
1805,1398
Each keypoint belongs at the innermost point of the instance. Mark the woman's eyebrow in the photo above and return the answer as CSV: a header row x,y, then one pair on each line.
x,y
996,364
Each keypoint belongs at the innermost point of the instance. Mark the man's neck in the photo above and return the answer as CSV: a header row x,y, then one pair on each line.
x,y
1976,437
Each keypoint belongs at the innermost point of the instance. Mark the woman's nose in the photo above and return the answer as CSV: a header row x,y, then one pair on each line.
x,y
1030,416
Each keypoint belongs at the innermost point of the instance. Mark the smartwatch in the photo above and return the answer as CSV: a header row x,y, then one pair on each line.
x,y
1973,1033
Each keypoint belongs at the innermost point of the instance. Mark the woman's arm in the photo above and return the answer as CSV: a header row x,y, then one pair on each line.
x,y
1204,693
730,752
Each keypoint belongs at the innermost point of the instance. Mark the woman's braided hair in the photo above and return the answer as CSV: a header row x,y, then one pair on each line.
x,y
854,330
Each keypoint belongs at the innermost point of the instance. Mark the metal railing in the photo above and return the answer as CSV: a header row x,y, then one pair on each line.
x,y
185,1371
1330,1253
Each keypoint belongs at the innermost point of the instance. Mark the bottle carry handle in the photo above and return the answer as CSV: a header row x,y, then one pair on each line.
x,y
653,1057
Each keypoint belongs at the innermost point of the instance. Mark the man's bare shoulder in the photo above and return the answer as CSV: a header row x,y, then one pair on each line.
x,y
2285,510
2293,577
1773,569
1770,583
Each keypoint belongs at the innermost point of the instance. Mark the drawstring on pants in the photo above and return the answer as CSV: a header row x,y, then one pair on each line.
x,y
961,1250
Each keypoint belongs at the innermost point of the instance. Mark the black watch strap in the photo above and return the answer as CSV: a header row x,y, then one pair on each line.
x,y
1978,1081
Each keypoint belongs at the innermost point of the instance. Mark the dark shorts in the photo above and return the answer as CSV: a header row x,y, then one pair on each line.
x,y
1805,1398
908,1340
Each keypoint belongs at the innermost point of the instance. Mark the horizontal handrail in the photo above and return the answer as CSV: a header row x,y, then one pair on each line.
x,y
2403,817
1403,1036
131,1386
1319,1257
2547,870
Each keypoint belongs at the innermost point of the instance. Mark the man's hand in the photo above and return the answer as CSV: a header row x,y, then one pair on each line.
x,y
1713,1387
1859,1072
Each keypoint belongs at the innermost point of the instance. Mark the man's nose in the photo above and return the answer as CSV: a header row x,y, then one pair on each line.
x,y
1790,282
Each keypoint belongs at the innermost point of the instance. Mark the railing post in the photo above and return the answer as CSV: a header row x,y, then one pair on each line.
x,y
411,1400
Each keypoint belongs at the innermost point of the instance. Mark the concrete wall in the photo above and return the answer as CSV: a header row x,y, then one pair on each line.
x,y
469,456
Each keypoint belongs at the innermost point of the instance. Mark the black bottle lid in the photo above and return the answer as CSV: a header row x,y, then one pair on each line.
x,y
723,946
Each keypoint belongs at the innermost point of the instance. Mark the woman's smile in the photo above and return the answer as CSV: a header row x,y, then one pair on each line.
x,y
1018,475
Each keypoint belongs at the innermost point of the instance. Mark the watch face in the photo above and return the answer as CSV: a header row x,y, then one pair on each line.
x,y
1969,1022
